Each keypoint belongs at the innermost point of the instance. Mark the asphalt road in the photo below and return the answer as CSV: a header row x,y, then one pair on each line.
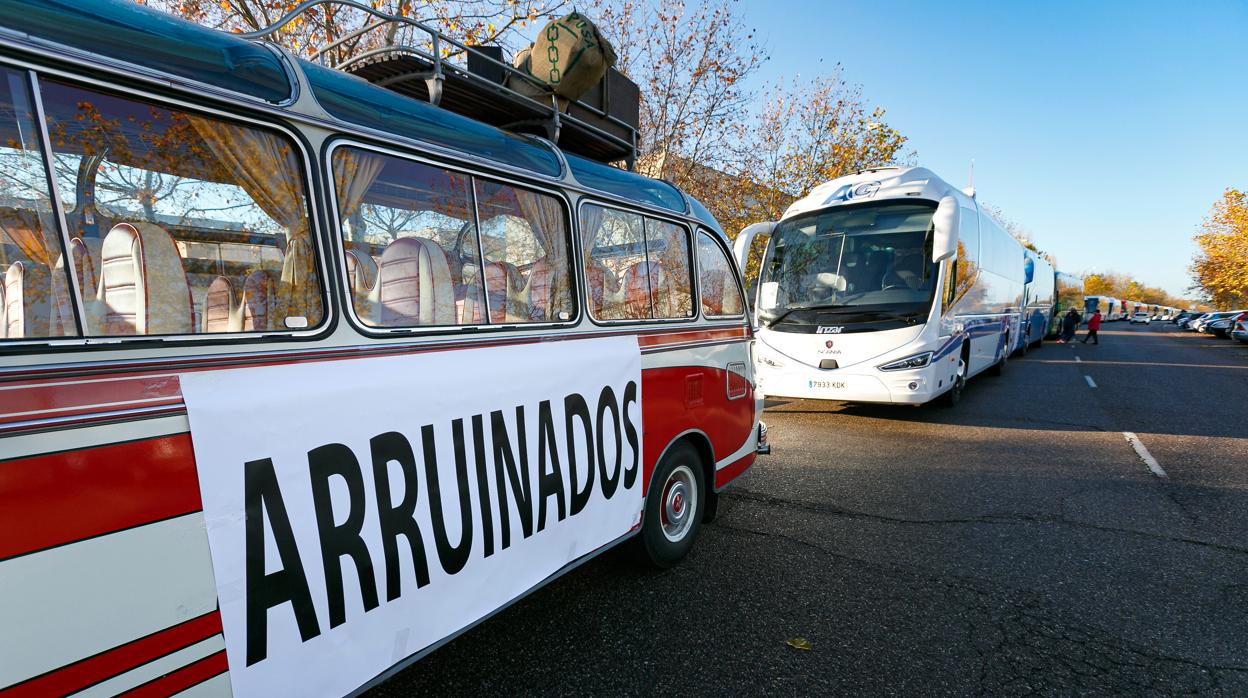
x,y
1015,544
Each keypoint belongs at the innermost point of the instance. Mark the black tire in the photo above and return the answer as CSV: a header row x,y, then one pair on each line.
x,y
678,487
999,367
711,510
952,396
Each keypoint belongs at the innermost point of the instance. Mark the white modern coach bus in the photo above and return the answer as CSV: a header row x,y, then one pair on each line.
x,y
888,286
301,377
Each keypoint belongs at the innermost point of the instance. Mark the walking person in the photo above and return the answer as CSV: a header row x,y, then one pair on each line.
x,y
1094,325
1070,324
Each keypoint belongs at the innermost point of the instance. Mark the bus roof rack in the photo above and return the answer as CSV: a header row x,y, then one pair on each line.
x,y
416,60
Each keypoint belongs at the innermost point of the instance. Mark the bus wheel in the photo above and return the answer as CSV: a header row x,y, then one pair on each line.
x,y
673,508
954,395
999,367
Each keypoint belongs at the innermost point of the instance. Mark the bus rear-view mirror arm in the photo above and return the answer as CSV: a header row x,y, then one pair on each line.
x,y
741,248
945,229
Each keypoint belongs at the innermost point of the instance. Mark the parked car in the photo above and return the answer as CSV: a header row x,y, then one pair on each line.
x,y
1240,331
1204,324
1219,327
1192,323
1222,326
1143,318
1181,317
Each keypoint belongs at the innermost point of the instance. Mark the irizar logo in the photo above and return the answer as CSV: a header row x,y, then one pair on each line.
x,y
829,329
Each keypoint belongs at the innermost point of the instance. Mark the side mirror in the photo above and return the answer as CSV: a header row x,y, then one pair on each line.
x,y
741,248
1029,269
945,229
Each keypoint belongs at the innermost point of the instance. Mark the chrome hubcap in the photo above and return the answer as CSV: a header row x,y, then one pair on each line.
x,y
679,504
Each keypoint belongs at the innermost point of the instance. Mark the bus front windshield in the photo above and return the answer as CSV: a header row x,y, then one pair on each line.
x,y
859,263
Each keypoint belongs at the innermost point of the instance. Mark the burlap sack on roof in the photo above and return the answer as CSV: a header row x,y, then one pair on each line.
x,y
569,57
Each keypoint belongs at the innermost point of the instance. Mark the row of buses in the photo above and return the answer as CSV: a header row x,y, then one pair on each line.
x,y
1120,309
301,377
893,286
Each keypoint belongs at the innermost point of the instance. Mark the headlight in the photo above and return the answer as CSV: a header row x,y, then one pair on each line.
x,y
916,361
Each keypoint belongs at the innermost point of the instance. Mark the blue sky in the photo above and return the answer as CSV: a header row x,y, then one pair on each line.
x,y
1107,129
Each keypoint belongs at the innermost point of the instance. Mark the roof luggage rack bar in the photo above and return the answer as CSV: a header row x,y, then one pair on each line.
x,y
593,130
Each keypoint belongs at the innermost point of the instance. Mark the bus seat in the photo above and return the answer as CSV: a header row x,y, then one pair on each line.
x,y
603,284
220,313
539,292
87,263
62,296
413,286
62,322
27,299
143,287
829,281
259,293
361,275
361,271
468,298
905,271
638,291
505,284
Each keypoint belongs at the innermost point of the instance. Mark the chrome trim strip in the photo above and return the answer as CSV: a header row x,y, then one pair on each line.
x,y
94,419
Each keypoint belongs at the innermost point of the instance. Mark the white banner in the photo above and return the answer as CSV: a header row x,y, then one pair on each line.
x,y
360,510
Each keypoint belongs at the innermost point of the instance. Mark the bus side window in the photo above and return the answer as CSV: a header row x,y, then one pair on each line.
x,y
192,224
667,261
614,242
716,284
410,241
524,238
35,299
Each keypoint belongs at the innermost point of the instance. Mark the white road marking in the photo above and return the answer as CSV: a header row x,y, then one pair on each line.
x,y
1091,383
1144,455
1079,360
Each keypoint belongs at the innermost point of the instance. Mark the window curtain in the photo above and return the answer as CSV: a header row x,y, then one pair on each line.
x,y
354,174
266,167
601,281
32,235
545,217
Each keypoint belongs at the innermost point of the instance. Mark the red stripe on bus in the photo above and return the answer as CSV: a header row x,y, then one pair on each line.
x,y
120,659
733,470
182,679
659,340
62,397
60,498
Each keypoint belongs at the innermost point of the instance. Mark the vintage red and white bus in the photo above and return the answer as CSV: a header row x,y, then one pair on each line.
x,y
300,377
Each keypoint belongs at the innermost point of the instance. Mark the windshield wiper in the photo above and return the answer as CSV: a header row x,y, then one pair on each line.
x,y
910,318
818,306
